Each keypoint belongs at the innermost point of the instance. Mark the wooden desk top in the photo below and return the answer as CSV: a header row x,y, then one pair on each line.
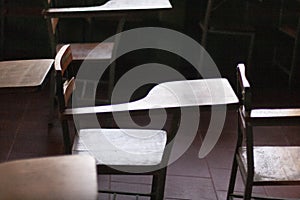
x,y
60,177
112,5
24,73
175,94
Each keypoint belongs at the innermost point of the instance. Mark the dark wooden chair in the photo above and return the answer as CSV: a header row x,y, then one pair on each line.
x,y
60,23
59,177
262,165
117,151
220,19
63,27
286,49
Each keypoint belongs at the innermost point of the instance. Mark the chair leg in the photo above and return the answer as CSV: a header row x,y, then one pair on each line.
x,y
250,51
232,178
248,189
250,162
66,137
52,98
205,24
158,185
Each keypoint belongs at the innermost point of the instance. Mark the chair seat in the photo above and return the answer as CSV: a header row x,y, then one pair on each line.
x,y
91,51
274,163
126,147
60,177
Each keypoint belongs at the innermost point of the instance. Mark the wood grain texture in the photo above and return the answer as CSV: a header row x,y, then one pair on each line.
x,y
123,147
112,5
91,51
24,73
274,163
63,177
175,94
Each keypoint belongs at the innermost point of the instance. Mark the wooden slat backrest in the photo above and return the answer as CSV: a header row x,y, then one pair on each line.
x,y
69,86
64,85
63,58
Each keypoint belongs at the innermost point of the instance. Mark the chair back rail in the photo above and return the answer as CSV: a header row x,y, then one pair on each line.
x,y
243,90
64,84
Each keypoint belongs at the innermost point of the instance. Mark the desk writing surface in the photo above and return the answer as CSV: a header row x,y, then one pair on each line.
x,y
174,94
117,5
191,93
24,73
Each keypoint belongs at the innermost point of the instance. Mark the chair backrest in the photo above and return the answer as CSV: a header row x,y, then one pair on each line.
x,y
64,84
243,87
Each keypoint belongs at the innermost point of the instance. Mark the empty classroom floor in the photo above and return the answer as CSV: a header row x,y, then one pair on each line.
x,y
24,133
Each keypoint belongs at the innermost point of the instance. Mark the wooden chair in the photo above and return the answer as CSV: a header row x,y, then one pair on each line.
x,y
60,27
83,50
60,177
262,165
56,30
217,20
109,145
286,49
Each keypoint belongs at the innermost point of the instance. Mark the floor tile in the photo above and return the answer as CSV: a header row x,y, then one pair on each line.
x,y
220,158
220,178
283,191
189,165
181,187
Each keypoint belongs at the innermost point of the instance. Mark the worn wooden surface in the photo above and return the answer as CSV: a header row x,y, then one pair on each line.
x,y
175,94
122,147
274,163
24,73
62,177
112,5
275,113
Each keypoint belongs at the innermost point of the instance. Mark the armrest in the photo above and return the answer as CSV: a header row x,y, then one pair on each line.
x,y
139,105
76,12
243,81
84,12
275,113
275,117
109,9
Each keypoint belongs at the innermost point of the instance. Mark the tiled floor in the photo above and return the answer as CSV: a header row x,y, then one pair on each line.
x,y
24,133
